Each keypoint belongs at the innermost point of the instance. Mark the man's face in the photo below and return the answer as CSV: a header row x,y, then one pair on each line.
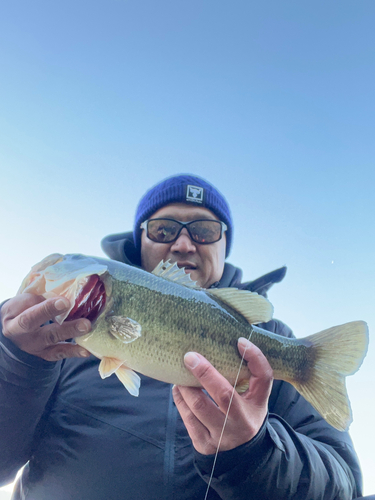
x,y
205,263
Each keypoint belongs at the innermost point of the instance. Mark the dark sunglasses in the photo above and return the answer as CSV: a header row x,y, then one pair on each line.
x,y
202,231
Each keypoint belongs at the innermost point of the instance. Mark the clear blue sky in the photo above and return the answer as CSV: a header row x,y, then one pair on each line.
x,y
272,101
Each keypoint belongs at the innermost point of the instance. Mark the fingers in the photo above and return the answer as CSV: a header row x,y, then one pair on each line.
x,y
64,350
205,421
197,430
261,379
18,304
196,406
48,342
253,355
27,323
53,333
220,389
215,384
31,318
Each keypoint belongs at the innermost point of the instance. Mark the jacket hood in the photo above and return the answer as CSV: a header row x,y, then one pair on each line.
x,y
121,247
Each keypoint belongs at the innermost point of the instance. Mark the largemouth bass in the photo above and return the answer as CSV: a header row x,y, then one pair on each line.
x,y
146,322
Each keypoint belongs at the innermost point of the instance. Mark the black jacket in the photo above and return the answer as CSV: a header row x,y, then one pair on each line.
x,y
85,438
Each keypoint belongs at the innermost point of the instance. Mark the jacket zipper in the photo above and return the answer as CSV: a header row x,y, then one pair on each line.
x,y
169,453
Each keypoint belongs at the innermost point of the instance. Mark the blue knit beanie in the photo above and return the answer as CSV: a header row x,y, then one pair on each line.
x,y
187,189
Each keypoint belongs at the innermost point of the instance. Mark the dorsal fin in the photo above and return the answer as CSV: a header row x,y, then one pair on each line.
x,y
254,307
172,272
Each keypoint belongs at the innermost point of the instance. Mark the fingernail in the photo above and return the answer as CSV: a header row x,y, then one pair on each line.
x,y
84,354
245,343
82,326
191,359
61,304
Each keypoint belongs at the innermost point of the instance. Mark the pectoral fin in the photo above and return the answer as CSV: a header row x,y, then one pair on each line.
x,y
130,379
125,329
108,366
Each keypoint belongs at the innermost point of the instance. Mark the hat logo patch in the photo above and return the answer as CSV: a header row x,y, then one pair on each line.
x,y
194,194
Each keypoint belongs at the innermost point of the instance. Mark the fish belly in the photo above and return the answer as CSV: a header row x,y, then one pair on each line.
x,y
159,353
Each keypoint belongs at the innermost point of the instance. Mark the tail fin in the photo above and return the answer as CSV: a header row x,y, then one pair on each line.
x,y
338,352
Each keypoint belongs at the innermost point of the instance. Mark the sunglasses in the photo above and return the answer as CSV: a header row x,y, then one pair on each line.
x,y
202,231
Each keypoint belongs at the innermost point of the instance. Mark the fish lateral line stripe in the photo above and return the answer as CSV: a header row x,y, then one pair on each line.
x,y
290,358
157,305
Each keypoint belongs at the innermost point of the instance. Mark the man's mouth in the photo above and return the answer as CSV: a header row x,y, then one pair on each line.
x,y
188,266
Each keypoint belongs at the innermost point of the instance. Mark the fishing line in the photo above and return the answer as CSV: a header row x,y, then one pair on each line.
x,y
225,421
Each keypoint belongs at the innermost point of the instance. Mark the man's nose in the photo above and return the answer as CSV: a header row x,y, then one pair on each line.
x,y
183,244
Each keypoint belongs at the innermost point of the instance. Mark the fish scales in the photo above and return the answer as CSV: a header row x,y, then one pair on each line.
x,y
146,322
175,321
290,359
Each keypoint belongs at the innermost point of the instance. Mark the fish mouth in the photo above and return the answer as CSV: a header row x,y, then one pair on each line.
x,y
80,279
90,300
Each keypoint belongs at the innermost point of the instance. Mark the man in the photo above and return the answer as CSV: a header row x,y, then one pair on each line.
x,y
86,438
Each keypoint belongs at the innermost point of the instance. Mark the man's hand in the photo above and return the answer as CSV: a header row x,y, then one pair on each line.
x,y
204,419
25,322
